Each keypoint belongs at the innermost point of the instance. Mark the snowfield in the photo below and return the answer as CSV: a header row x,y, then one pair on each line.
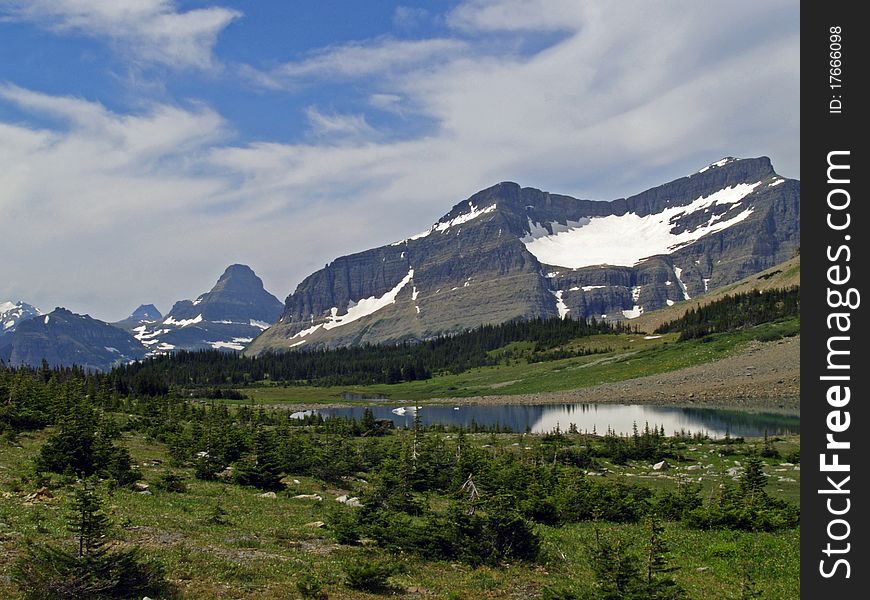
x,y
590,241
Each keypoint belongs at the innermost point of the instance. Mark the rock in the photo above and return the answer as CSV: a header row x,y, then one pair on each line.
x,y
786,464
316,524
702,569
694,468
268,495
226,473
308,497
140,486
349,501
734,471
661,466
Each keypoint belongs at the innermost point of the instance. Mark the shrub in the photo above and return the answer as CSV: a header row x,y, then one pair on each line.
x,y
171,482
310,587
370,576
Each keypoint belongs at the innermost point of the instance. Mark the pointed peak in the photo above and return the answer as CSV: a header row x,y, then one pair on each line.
x,y
237,277
145,312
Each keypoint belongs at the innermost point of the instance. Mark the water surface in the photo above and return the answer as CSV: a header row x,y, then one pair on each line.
x,y
621,418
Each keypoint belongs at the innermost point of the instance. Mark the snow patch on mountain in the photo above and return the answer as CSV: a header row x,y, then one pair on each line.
x,y
14,313
678,271
357,309
718,163
183,322
366,306
227,346
589,242
442,226
560,304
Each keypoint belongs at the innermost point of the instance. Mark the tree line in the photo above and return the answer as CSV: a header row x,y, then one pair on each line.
x,y
736,311
364,364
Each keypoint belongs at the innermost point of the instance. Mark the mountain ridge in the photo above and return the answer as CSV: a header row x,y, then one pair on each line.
x,y
724,222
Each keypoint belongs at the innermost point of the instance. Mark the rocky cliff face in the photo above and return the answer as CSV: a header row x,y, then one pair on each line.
x,y
510,252
64,338
228,317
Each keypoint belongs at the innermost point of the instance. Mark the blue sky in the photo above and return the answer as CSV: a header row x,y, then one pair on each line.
x,y
148,144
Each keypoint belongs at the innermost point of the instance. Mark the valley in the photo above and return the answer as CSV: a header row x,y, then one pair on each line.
x,y
478,411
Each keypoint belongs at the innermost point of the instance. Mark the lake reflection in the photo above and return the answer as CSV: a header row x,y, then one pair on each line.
x,y
587,417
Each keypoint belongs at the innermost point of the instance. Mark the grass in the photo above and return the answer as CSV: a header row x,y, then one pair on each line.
x,y
630,356
264,546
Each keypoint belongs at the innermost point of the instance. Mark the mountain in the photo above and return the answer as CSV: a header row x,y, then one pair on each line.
x,y
234,312
146,313
13,314
510,252
64,338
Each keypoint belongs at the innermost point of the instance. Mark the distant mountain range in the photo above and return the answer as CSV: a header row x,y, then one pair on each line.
x,y
63,338
509,252
228,317
505,253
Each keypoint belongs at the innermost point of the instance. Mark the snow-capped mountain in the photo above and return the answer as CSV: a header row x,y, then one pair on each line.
x,y
14,313
235,311
64,338
510,252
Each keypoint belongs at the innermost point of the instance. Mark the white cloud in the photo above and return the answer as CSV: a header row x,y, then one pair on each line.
x,y
146,31
518,15
358,60
334,124
387,102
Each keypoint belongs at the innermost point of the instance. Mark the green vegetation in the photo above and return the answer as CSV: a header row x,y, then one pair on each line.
x,y
625,356
503,508
736,311
361,365
180,487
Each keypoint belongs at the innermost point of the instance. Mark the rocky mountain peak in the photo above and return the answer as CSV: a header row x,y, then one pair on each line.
x,y
13,314
238,277
144,314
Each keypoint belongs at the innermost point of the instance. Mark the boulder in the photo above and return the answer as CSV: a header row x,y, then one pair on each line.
x,y
308,497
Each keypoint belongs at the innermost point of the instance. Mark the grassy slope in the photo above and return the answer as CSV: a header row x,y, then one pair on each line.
x,y
632,356
267,544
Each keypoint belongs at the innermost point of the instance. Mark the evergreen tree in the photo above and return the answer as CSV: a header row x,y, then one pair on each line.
x,y
91,571
753,480
264,469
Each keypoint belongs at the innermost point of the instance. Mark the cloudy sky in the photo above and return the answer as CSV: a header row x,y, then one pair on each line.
x,y
147,144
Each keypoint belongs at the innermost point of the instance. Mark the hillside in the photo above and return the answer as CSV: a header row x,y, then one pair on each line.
x,y
781,276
